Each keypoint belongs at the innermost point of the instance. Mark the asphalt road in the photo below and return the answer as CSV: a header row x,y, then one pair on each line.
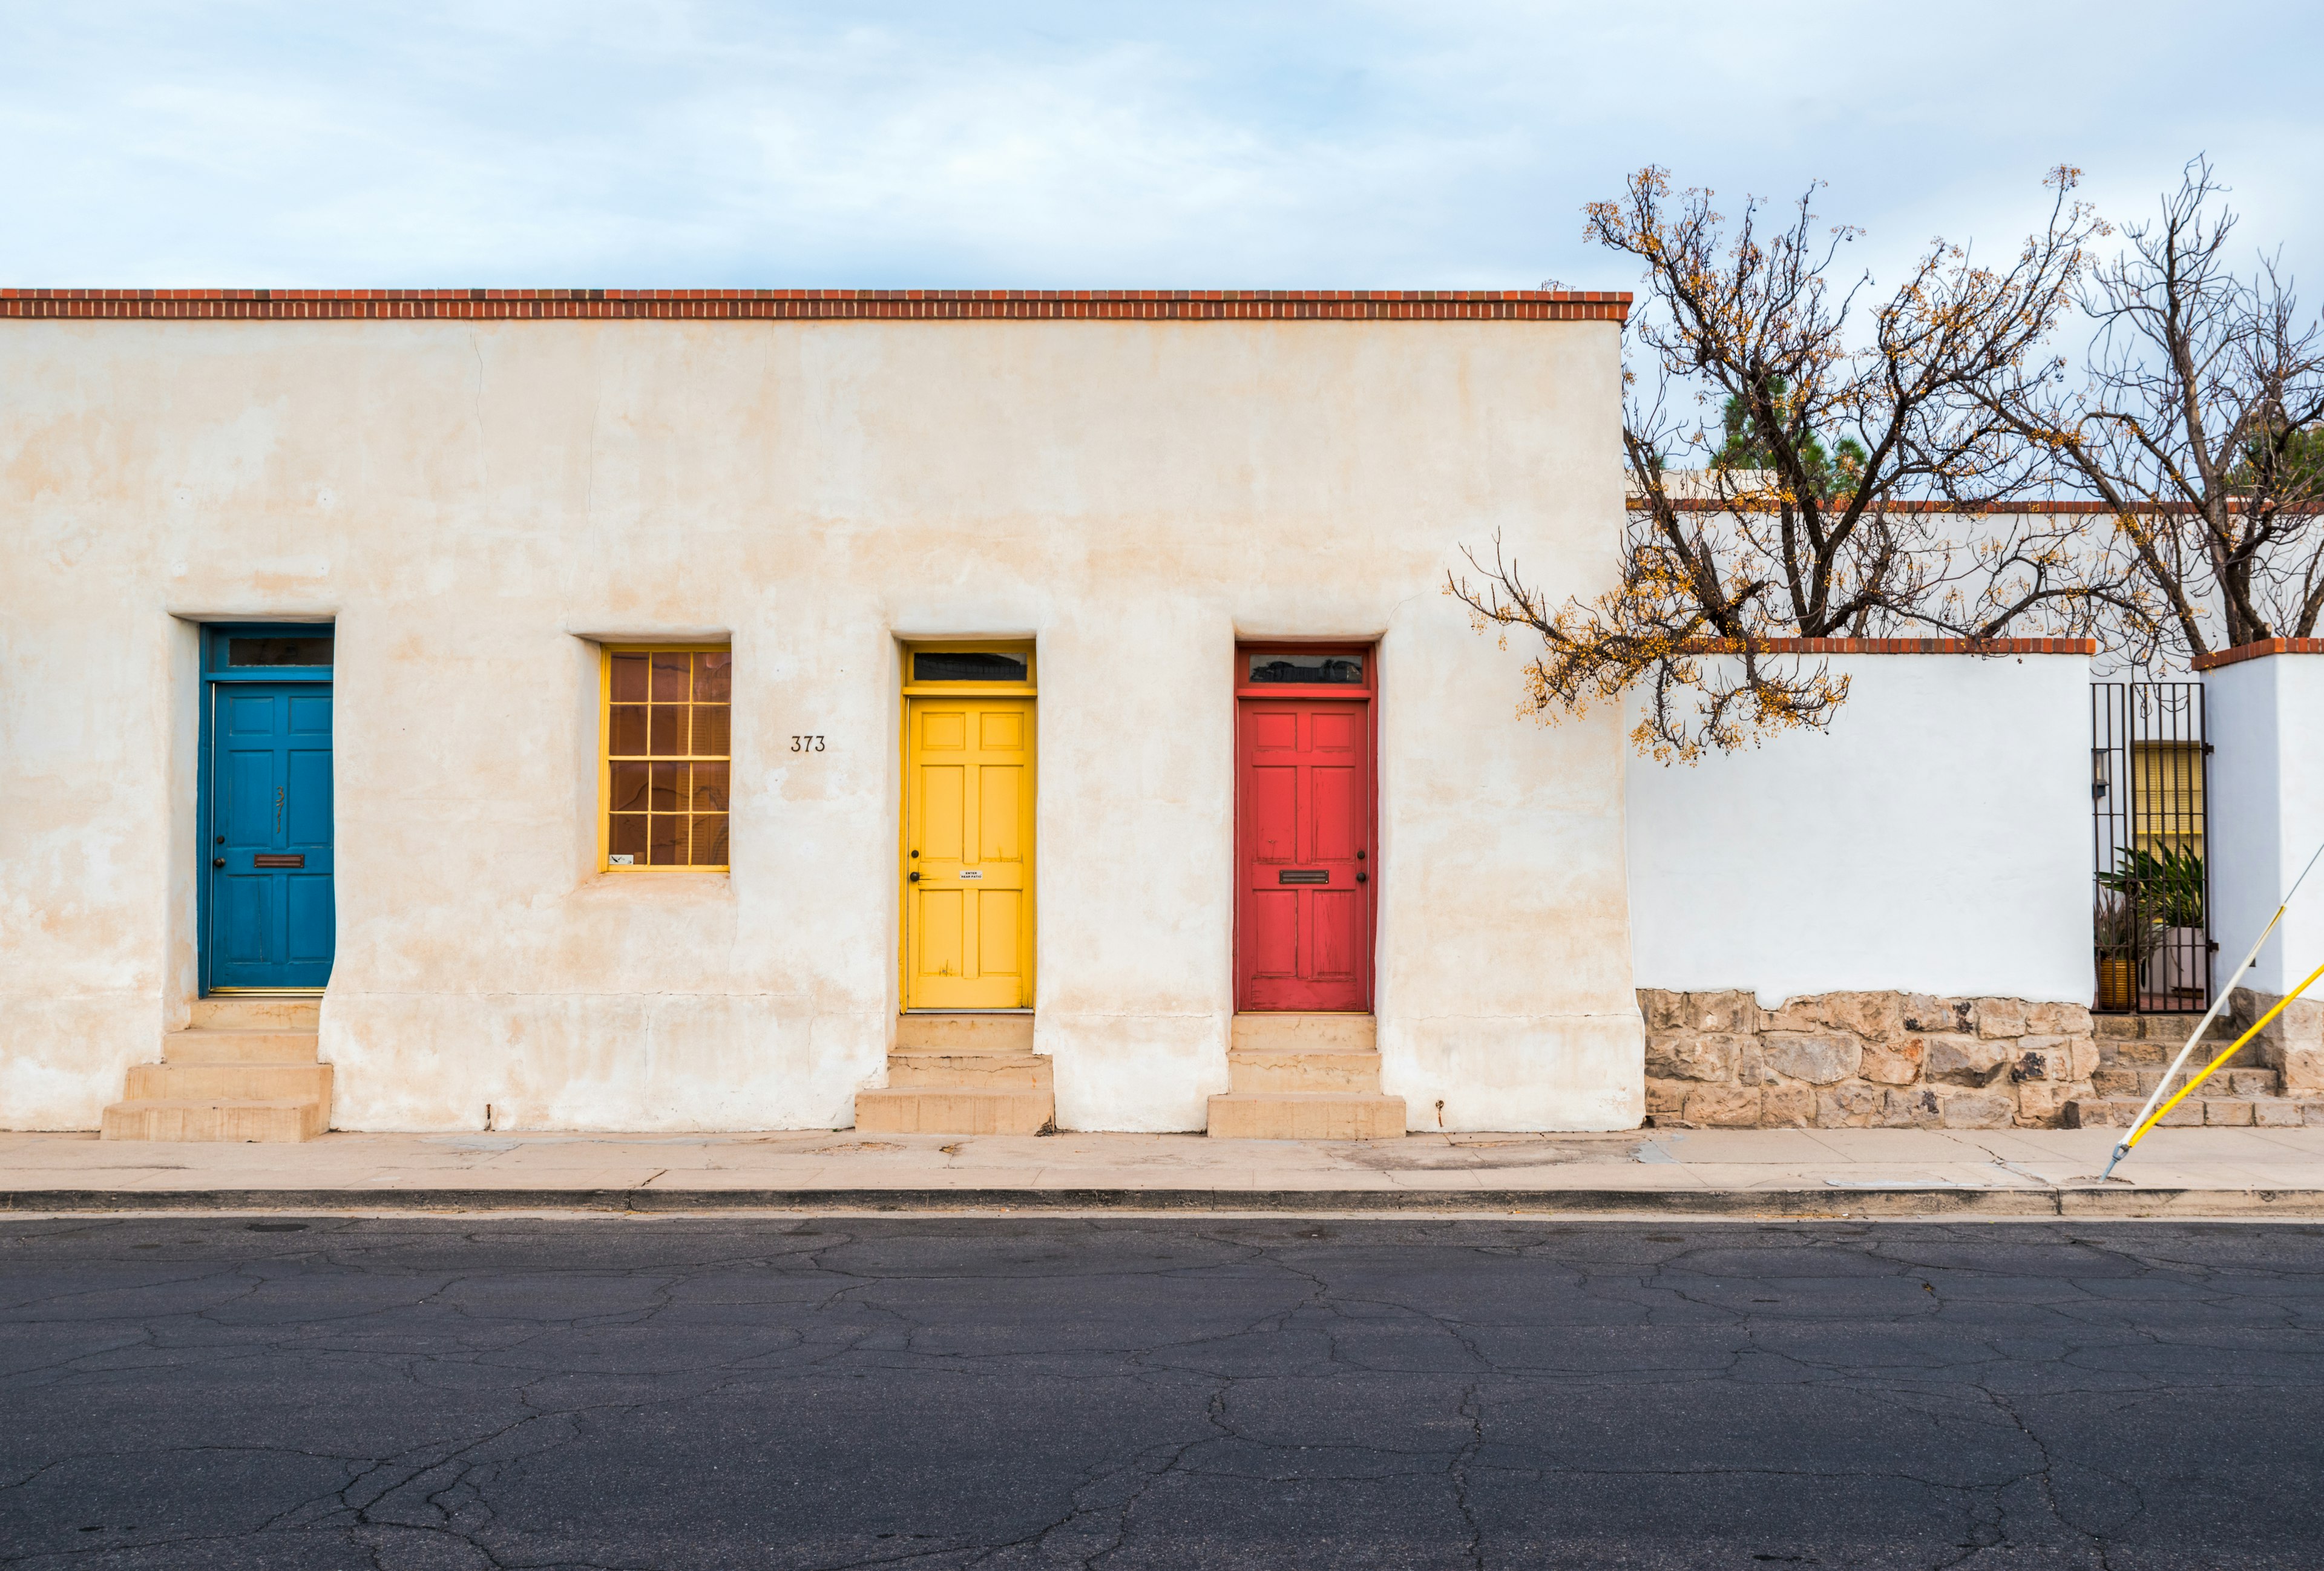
x,y
941,1393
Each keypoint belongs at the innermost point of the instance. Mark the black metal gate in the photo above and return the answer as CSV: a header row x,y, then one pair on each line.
x,y
2149,765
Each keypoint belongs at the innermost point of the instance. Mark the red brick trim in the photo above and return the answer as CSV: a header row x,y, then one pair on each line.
x,y
1015,305
2067,509
1992,646
2260,651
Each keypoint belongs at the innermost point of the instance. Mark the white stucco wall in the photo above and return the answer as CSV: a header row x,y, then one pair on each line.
x,y
1935,839
473,503
2266,721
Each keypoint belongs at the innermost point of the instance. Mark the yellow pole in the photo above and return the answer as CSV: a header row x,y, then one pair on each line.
x,y
2147,1115
2212,1067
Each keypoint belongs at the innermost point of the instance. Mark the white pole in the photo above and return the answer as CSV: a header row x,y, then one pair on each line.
x,y
2122,1148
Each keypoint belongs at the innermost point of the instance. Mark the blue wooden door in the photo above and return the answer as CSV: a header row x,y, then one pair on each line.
x,y
269,841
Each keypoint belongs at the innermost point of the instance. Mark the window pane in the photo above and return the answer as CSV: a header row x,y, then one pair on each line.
x,y
629,678
968,666
626,837
713,677
278,652
628,794
667,705
1325,670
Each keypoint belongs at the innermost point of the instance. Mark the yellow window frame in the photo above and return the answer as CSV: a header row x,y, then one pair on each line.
x,y
605,760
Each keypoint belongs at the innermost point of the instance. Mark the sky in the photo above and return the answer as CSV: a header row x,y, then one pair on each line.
x,y
1040,145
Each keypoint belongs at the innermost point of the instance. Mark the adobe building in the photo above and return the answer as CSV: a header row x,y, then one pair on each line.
x,y
721,710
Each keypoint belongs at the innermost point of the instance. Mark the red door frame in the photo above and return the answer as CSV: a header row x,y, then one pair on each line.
x,y
1366,695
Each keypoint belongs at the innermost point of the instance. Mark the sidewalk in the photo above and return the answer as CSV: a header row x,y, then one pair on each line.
x,y
2177,1172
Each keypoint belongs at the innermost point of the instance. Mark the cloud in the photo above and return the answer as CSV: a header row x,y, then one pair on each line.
x,y
887,145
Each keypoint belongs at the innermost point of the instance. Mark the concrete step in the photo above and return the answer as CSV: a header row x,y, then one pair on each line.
x,y
972,1071
259,1014
203,1119
966,1032
953,1109
1325,1033
1305,1116
2231,1081
1294,1069
211,1046
235,1082
2230,1112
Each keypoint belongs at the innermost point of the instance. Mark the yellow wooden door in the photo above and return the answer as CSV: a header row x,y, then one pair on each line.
x,y
968,853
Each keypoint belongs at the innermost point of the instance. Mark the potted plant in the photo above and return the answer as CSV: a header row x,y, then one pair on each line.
x,y
2125,939
2165,888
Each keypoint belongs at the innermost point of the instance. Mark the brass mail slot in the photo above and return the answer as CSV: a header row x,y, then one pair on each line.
x,y
277,859
1303,875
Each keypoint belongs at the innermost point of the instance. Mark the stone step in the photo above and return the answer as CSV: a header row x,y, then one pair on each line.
x,y
953,1109
966,1032
2232,1113
212,1046
972,1071
211,1119
1305,1116
2123,1081
1266,1030
1296,1069
234,1082
260,1012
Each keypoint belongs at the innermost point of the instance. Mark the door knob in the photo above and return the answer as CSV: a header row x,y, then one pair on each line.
x,y
1363,878
911,878
218,862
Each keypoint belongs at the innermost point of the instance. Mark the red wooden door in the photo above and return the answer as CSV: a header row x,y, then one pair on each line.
x,y
1304,843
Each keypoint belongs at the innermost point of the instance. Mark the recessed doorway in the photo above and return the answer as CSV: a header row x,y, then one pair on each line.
x,y
969,748
269,910
1305,848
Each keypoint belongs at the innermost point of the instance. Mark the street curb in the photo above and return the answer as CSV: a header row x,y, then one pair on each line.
x,y
1838,1200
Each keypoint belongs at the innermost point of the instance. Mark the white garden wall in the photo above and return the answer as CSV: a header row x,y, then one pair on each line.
x,y
1936,839
2265,722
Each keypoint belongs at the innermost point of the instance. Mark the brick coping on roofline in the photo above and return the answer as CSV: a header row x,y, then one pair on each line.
x,y
2260,651
1636,504
1015,305
1991,646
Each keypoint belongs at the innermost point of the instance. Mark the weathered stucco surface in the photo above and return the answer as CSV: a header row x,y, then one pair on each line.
x,y
475,504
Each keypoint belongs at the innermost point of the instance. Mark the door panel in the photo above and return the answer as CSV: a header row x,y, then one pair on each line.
x,y
1303,924
270,920
968,832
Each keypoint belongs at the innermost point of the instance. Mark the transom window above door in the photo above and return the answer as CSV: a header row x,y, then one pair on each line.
x,y
966,665
1324,669
960,666
668,746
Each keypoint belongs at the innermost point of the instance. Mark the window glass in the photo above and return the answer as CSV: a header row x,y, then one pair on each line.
x,y
278,652
667,725
1338,670
967,666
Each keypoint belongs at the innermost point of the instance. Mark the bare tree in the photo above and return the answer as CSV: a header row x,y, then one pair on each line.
x,y
1763,530
2199,427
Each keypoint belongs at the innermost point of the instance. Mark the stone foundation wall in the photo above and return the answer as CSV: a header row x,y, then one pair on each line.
x,y
2292,1044
1863,1060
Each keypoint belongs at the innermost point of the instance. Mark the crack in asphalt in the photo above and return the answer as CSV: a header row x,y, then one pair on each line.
x,y
1106,1392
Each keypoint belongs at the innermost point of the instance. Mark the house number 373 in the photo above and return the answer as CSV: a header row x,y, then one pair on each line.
x,y
806,744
